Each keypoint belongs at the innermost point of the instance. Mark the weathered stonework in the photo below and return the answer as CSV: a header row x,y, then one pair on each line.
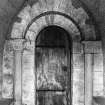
x,y
77,48
92,47
59,20
81,56
28,78
62,6
32,20
78,79
8,71
98,77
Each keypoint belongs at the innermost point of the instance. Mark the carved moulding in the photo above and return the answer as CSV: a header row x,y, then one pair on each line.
x,y
7,71
8,68
50,9
58,20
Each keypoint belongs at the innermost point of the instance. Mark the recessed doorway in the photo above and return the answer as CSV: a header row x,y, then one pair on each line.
x,y
53,67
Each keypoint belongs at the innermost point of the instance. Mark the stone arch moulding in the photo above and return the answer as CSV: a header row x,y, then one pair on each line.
x,y
52,18
49,10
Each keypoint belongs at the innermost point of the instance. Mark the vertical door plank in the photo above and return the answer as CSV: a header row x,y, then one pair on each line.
x,y
51,69
51,98
52,76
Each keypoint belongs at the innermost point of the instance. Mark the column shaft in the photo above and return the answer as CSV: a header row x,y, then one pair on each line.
x,y
18,78
88,79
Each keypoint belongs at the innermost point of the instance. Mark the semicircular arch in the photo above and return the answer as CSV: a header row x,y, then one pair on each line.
x,y
50,9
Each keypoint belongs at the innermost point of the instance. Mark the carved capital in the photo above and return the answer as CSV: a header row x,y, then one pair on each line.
x,y
29,45
92,47
17,44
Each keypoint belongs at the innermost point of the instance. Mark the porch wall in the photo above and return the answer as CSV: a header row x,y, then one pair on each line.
x,y
87,72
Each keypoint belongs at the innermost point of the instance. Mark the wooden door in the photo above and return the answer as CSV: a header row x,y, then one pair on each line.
x,y
52,57
52,86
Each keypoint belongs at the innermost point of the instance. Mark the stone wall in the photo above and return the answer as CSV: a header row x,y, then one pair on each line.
x,y
33,18
87,72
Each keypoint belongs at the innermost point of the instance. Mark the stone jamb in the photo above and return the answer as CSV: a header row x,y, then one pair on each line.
x,y
17,45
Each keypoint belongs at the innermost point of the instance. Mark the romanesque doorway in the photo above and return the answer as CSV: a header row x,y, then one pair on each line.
x,y
37,66
53,71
